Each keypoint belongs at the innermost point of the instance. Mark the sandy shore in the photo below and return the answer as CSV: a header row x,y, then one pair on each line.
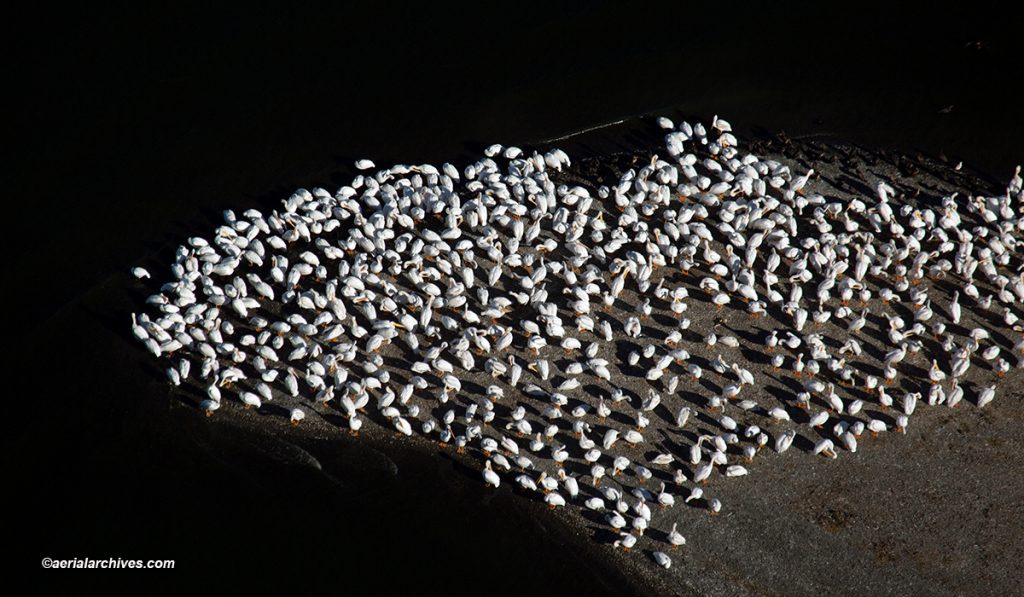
x,y
929,512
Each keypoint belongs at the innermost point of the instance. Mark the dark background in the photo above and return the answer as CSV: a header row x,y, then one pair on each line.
x,y
132,127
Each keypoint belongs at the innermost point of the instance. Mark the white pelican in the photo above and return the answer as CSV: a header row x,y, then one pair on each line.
x,y
986,395
490,477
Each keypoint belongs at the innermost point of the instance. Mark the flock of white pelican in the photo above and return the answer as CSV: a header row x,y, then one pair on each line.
x,y
613,348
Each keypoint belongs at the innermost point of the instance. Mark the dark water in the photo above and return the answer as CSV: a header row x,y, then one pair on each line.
x,y
135,127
